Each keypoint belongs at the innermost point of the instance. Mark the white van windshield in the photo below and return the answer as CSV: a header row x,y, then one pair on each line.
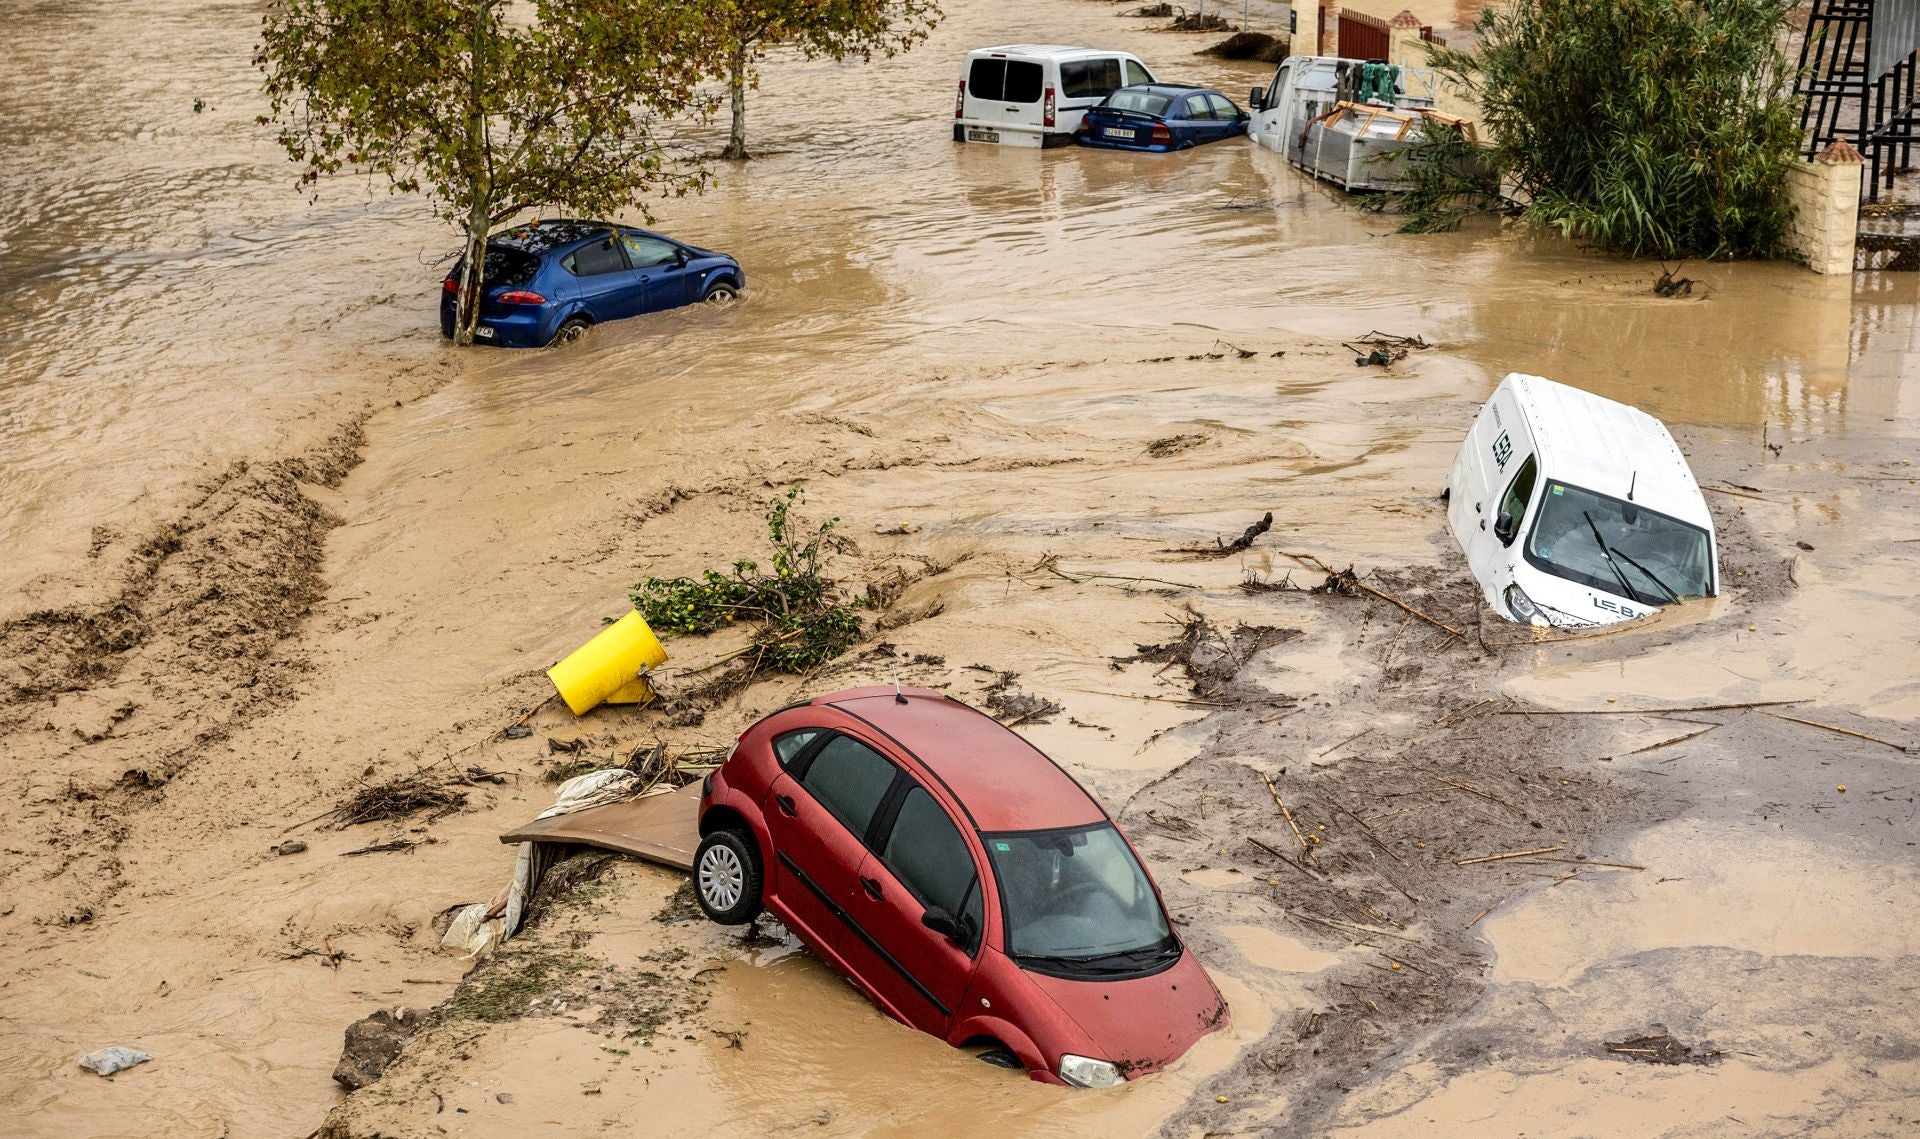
x,y
1625,549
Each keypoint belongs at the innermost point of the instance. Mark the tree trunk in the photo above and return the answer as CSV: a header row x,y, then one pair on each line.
x,y
466,309
737,90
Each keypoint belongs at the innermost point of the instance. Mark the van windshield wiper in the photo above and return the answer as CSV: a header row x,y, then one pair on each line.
x,y
1651,576
1607,553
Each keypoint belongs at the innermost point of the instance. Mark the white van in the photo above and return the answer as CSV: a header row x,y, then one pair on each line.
x,y
1036,94
1574,510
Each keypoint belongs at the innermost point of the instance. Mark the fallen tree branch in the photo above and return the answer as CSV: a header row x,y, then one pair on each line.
x,y
1507,854
1644,711
1305,846
1842,731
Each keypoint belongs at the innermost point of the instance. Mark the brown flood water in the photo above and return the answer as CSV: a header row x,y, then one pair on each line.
x,y
993,326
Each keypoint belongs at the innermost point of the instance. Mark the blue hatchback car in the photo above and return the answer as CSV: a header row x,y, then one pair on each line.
x,y
1161,117
547,282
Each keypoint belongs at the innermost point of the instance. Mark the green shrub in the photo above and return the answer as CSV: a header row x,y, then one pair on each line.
x,y
1647,127
1451,179
803,621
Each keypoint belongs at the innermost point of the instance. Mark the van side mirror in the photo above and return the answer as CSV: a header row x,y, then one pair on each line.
x,y
1503,528
942,923
1258,99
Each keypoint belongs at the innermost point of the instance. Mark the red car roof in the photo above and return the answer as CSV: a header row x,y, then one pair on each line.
x,y
1003,782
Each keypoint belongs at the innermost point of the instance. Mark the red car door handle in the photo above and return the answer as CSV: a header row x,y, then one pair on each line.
x,y
873,887
786,804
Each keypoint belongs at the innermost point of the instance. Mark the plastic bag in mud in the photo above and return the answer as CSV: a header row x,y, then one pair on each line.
x,y
107,1061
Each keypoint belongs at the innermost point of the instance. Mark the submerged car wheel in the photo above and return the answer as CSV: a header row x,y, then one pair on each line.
x,y
572,329
726,877
719,293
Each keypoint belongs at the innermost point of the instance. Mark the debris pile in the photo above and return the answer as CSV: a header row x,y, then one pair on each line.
x,y
1659,1048
1379,349
399,797
1257,46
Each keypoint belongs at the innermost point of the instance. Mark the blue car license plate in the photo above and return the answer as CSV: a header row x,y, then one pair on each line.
x,y
1117,132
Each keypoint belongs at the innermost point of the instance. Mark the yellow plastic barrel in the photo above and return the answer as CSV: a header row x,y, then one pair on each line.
x,y
610,666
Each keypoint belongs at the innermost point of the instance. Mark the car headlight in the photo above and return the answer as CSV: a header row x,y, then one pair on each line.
x,y
1082,1072
1523,608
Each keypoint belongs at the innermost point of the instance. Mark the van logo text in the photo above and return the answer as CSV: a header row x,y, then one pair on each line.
x,y
1615,607
1502,451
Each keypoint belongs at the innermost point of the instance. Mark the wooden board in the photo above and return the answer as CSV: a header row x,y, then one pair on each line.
x,y
660,828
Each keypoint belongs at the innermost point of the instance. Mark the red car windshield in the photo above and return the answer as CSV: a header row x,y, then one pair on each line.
x,y
1079,897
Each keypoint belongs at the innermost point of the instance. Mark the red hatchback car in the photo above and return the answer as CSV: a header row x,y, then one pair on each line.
x,y
962,880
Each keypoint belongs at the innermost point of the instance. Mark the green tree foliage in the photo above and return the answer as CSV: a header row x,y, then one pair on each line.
x,y
1451,179
1647,127
803,622
837,29
489,107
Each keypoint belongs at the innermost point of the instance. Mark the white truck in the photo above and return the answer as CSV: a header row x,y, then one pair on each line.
x,y
1346,120
1036,94
1574,510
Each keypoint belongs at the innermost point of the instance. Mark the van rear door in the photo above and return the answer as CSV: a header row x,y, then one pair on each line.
x,y
1003,93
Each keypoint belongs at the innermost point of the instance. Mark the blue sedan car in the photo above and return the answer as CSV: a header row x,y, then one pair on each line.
x,y
547,282
1161,117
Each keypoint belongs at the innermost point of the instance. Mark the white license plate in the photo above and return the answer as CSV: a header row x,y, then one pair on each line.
x,y
483,332
974,135
1117,132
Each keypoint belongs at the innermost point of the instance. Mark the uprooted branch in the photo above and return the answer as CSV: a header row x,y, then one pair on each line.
x,y
397,797
1221,549
1348,584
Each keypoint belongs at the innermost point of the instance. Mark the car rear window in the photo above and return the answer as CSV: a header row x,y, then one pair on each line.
x,y
788,747
1090,78
1007,80
504,265
1146,102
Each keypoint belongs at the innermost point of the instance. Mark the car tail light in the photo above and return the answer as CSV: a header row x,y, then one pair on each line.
x,y
1162,134
960,101
450,285
521,297
1048,106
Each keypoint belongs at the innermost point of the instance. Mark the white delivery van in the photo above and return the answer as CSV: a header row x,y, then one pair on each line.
x,y
1036,94
1574,510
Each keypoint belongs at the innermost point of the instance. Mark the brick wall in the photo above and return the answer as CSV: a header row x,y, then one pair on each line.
x,y
1826,199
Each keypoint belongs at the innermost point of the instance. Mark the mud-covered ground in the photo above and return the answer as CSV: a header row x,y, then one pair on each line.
x,y
307,560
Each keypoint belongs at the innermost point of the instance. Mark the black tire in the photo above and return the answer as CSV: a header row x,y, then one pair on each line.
x,y
726,877
570,330
720,292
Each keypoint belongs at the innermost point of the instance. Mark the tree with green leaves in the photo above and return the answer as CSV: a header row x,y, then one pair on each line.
x,y
1647,127
488,107
745,30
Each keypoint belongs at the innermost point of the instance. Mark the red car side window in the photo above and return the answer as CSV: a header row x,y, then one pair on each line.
x,y
925,851
849,778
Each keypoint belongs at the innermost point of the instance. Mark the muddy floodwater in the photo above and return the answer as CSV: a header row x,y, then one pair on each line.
x,y
268,539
